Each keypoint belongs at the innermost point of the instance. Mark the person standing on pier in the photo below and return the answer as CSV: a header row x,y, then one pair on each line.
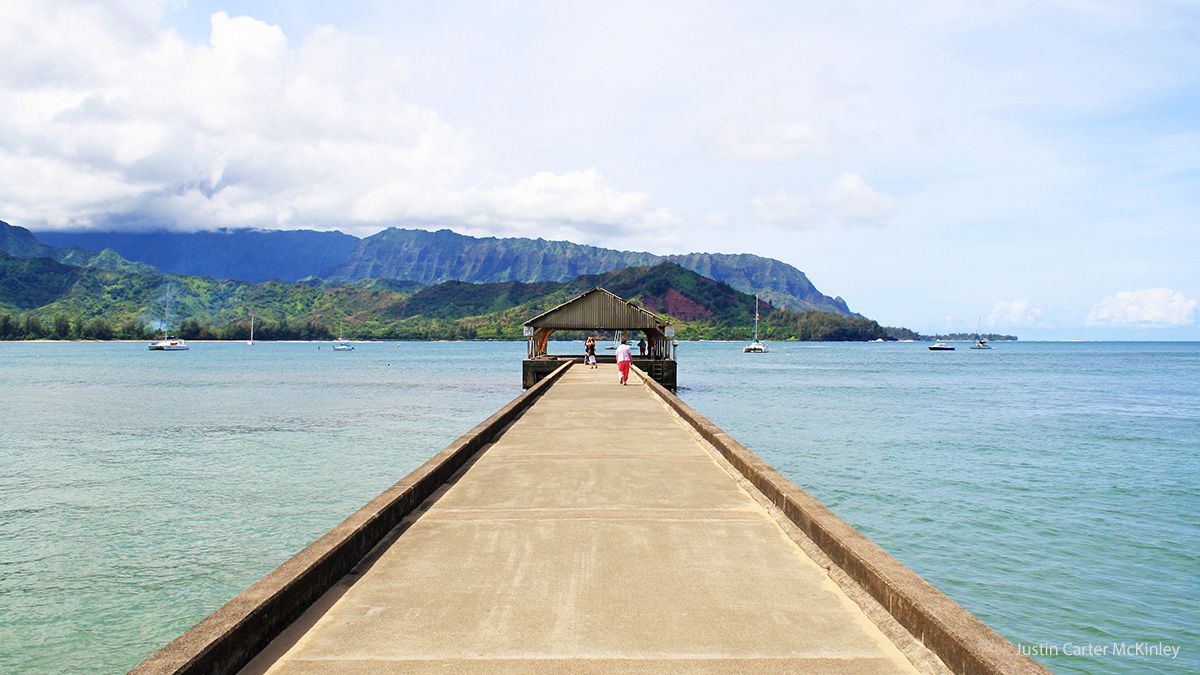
x,y
642,347
589,350
624,358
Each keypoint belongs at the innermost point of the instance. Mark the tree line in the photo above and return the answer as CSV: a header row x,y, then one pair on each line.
x,y
63,327
777,325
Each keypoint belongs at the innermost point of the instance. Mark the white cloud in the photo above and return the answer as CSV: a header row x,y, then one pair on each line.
x,y
783,207
253,130
576,196
846,201
1008,138
574,204
769,141
1152,307
243,131
1015,313
850,199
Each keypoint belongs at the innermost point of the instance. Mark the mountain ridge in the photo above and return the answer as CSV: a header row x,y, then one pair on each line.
x,y
22,243
431,257
101,304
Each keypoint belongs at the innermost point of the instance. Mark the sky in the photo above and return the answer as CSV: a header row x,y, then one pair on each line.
x,y
1033,167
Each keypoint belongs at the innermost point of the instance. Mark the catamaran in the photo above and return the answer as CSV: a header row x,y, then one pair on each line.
x,y
167,342
755,347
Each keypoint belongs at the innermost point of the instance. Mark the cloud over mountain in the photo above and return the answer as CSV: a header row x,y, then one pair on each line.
x,y
848,200
252,129
1019,158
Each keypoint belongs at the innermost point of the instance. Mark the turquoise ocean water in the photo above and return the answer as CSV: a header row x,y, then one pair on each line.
x,y
1052,489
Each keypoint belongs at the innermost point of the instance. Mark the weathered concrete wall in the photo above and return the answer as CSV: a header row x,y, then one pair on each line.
x,y
235,633
964,643
535,370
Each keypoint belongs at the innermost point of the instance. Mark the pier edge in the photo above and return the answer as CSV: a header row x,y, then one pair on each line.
x,y
964,643
226,640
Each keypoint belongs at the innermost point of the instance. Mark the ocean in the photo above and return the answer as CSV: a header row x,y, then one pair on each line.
x,y
1050,488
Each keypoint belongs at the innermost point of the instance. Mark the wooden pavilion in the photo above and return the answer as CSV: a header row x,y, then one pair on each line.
x,y
599,310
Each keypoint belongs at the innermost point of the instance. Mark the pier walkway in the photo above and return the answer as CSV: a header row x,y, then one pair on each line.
x,y
597,534
590,527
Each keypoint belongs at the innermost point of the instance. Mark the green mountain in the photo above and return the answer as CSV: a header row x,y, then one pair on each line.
x,y
42,298
32,283
430,258
134,305
434,257
21,243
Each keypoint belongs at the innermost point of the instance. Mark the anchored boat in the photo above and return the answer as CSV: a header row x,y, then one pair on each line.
x,y
980,343
755,347
342,345
167,342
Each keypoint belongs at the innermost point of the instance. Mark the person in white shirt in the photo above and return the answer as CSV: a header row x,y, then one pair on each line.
x,y
624,359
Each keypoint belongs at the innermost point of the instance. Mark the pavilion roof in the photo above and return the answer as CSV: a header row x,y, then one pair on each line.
x,y
598,309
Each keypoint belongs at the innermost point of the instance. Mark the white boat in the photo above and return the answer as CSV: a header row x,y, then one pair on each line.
x,y
342,345
941,347
167,342
755,347
251,341
980,343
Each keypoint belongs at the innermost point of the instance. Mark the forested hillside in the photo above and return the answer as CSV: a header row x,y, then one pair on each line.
x,y
429,257
21,243
40,298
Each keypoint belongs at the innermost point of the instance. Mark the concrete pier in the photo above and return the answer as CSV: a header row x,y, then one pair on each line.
x,y
608,529
661,370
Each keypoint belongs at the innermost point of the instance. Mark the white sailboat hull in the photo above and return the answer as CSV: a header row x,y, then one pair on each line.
x,y
755,347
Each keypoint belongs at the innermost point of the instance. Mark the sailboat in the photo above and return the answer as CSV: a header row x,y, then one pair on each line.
x,y
342,345
251,341
167,342
755,347
980,343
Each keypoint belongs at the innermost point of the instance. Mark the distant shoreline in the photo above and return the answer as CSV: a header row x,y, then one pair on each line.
x,y
697,341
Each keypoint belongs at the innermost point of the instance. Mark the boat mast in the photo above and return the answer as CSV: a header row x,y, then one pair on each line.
x,y
167,313
756,317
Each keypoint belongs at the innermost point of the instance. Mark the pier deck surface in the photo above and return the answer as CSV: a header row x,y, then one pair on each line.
x,y
596,535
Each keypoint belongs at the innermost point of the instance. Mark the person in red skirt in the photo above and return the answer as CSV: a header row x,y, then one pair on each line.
x,y
624,359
